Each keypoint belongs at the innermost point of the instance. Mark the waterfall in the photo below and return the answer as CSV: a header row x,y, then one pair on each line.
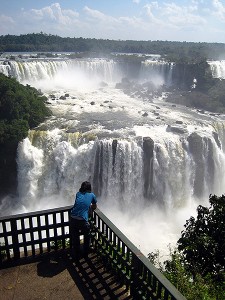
x,y
107,70
159,72
217,68
169,173
36,70
150,162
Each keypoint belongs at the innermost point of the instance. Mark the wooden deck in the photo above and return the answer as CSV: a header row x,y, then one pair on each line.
x,y
59,277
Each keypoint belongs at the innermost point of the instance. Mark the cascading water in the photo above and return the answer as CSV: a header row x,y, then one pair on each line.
x,y
150,163
218,68
158,71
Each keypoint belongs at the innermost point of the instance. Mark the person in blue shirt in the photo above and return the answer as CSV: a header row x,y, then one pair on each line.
x,y
85,201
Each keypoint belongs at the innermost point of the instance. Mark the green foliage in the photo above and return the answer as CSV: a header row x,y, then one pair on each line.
x,y
197,267
172,51
202,243
56,245
193,288
21,108
3,252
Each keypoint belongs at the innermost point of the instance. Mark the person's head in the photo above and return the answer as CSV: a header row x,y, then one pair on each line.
x,y
85,187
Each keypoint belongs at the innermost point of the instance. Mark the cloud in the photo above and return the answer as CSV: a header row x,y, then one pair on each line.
x,y
174,16
151,16
219,10
6,23
53,13
183,16
97,15
168,20
101,24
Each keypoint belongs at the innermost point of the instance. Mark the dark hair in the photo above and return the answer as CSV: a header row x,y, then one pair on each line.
x,y
85,187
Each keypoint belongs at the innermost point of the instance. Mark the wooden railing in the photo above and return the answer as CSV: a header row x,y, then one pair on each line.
x,y
26,236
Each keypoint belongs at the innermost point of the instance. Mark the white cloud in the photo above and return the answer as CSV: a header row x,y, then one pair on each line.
x,y
136,1
97,15
173,15
54,13
183,16
6,20
151,16
6,23
219,10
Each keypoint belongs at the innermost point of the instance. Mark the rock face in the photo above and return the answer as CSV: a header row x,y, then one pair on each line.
x,y
146,91
201,149
176,129
148,149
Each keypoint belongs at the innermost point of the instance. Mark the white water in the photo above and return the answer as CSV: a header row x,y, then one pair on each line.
x,y
218,68
148,198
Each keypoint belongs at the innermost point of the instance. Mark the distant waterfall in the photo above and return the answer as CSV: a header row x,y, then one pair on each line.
x,y
108,70
159,72
218,68
34,70
169,173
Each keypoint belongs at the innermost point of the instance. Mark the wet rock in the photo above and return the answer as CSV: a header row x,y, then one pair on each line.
x,y
176,129
148,151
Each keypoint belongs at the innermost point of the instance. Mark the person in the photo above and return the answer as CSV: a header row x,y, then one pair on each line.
x,y
85,201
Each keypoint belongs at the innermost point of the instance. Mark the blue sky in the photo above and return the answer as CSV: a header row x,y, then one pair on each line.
x,y
172,20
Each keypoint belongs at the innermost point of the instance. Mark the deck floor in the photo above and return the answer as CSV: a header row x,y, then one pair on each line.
x,y
59,277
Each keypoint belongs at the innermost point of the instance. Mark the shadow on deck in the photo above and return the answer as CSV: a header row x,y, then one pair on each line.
x,y
59,277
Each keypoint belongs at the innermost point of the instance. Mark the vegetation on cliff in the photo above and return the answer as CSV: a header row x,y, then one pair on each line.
x,y
21,108
197,266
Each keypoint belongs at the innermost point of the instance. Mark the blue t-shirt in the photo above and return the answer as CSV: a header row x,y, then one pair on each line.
x,y
82,204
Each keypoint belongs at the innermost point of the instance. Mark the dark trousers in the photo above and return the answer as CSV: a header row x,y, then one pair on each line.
x,y
77,228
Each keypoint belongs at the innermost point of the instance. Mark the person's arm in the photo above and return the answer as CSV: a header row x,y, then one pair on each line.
x,y
94,203
93,206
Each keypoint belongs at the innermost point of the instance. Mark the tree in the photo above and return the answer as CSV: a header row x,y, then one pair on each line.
x,y
21,108
197,266
202,243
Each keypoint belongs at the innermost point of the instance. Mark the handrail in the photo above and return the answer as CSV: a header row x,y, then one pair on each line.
x,y
28,235
31,234
138,273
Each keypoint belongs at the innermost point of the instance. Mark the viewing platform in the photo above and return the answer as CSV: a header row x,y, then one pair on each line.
x,y
58,277
35,262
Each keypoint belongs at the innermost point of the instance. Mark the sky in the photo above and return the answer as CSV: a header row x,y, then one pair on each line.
x,y
171,20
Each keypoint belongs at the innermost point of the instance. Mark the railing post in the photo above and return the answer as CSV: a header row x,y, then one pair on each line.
x,y
134,274
15,240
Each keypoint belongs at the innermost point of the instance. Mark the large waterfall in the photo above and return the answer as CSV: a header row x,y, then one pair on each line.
x,y
150,162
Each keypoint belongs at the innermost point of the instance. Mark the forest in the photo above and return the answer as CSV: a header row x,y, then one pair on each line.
x,y
173,51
